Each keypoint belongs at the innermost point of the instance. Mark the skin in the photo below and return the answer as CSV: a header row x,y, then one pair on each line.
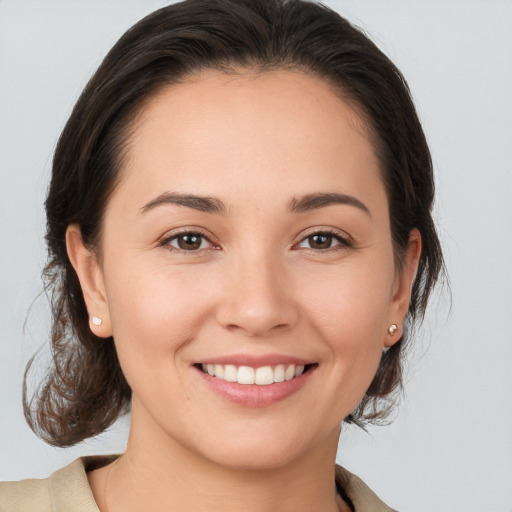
x,y
261,286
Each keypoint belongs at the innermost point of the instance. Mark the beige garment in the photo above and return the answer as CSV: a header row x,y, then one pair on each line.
x,y
67,490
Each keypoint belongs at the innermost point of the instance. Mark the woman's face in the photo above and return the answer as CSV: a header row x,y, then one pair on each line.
x,y
249,236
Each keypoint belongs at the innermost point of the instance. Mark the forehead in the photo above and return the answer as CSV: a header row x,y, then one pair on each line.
x,y
214,133
250,97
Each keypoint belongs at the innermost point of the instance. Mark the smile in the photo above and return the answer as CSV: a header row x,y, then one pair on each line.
x,y
261,376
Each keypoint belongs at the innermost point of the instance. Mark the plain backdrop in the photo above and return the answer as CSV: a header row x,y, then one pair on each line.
x,y
450,446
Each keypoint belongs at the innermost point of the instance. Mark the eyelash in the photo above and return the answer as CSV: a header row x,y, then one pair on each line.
x,y
344,241
165,242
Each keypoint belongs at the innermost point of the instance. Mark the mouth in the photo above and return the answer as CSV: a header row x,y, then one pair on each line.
x,y
260,376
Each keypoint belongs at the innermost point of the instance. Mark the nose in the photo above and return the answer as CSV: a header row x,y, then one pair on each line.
x,y
257,298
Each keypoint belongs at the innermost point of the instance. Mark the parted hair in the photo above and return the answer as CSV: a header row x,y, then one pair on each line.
x,y
84,390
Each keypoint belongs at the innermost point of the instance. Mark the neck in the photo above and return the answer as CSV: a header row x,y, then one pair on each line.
x,y
164,475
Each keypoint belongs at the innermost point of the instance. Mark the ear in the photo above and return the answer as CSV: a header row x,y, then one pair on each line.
x,y
403,288
90,275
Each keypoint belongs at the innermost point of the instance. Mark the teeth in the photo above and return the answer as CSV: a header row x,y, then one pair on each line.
x,y
230,373
219,371
262,376
245,375
289,373
279,373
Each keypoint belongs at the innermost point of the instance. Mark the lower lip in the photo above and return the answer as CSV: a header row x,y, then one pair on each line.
x,y
251,395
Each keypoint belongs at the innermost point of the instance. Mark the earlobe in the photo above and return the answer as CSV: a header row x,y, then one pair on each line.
x,y
89,274
402,293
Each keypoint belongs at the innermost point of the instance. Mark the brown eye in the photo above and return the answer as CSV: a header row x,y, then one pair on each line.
x,y
320,241
189,241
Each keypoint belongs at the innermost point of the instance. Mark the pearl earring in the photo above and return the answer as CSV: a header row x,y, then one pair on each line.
x,y
96,320
392,329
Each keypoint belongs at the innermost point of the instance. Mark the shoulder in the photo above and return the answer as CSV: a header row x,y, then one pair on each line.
x,y
67,488
362,497
33,495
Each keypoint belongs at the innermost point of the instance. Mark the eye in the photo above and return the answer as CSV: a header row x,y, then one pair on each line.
x,y
324,240
188,241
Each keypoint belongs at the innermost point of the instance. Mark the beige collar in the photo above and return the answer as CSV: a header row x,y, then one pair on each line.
x,y
68,489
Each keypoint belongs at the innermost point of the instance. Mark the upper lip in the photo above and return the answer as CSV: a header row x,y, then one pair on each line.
x,y
255,361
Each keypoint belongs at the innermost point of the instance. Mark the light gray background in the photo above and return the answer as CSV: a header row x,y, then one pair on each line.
x,y
450,448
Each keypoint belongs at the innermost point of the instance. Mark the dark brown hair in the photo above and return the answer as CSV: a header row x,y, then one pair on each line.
x,y
85,391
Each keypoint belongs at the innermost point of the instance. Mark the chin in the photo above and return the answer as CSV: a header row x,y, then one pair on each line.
x,y
255,449
255,458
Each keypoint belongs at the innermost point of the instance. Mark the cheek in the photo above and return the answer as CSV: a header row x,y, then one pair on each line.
x,y
354,335
350,304
349,310
154,313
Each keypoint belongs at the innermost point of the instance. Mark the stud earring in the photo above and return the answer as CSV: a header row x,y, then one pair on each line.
x,y
392,329
96,320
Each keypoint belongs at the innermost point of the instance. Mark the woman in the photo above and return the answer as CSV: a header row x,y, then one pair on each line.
x,y
240,239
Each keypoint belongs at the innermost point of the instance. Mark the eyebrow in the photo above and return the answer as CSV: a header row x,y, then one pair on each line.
x,y
209,204
321,200
201,203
